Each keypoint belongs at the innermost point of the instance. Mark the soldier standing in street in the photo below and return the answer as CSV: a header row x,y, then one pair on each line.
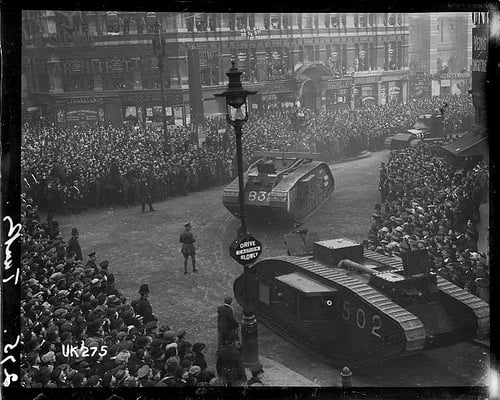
x,y
145,194
187,239
75,195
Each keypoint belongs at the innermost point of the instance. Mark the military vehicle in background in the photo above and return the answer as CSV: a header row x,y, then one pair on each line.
x,y
428,128
287,185
352,306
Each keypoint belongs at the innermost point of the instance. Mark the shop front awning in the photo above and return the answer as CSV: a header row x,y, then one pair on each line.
x,y
304,284
470,144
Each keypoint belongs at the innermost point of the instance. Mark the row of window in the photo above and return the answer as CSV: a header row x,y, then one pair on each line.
x,y
122,81
276,64
145,23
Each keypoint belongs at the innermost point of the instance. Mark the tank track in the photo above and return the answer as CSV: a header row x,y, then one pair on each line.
x,y
279,206
412,327
480,308
230,197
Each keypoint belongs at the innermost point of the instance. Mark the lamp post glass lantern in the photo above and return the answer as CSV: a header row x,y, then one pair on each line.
x,y
237,115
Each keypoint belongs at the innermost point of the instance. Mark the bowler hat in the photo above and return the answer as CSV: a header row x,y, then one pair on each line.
x,y
198,347
144,289
74,231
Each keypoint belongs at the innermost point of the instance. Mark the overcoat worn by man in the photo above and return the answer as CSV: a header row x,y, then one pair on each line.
x,y
145,194
226,323
188,250
73,245
230,364
143,307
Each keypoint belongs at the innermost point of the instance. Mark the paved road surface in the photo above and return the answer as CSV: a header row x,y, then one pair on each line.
x,y
144,248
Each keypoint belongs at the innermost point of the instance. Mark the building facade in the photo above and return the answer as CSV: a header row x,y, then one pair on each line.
x,y
440,42
82,67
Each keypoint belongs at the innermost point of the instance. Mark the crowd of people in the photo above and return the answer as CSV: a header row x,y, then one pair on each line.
x,y
76,168
430,204
78,330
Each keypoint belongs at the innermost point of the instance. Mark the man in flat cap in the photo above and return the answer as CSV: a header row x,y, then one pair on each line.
x,y
187,239
73,245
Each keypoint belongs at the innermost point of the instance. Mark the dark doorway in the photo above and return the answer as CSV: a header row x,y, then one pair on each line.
x,y
309,95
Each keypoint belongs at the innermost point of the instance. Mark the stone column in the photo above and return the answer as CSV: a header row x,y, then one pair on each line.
x,y
224,22
136,61
181,25
55,80
322,54
379,93
380,49
404,91
97,77
170,22
405,55
350,56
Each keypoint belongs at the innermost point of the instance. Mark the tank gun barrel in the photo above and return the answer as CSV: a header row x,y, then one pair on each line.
x,y
354,266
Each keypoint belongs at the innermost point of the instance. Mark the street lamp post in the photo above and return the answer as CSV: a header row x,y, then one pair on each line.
x,y
159,52
237,115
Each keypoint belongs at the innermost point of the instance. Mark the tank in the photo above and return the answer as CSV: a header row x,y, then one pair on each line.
x,y
428,128
290,186
352,306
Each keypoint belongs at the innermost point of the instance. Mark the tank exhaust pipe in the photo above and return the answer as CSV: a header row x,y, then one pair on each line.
x,y
354,266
